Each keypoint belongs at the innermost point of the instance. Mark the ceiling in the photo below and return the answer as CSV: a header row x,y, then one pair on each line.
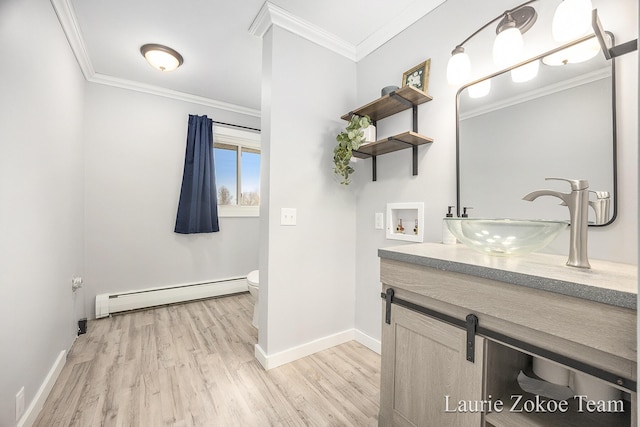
x,y
219,40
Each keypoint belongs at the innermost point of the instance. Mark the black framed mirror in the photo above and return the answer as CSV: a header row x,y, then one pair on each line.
x,y
562,123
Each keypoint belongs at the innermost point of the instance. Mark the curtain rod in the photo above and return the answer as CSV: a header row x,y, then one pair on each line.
x,y
235,126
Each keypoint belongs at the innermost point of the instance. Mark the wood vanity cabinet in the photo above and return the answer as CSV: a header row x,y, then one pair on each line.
x,y
425,372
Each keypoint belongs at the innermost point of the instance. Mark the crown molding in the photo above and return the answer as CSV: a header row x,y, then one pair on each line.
x,y
395,26
271,14
172,94
67,17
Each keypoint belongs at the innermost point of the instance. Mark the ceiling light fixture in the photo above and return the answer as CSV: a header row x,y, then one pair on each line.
x,y
161,57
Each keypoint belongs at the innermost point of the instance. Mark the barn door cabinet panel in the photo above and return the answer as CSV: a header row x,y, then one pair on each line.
x,y
424,370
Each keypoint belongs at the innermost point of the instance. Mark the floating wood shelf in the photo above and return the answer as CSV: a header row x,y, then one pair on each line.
x,y
393,103
402,99
391,144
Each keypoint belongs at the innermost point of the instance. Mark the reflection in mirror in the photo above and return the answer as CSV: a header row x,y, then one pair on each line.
x,y
513,135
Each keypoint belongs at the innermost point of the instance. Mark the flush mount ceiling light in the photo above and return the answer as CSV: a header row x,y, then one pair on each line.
x,y
161,57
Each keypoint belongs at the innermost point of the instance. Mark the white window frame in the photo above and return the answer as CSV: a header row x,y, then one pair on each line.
x,y
239,138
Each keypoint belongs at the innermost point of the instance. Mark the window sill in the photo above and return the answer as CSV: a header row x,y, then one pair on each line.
x,y
234,211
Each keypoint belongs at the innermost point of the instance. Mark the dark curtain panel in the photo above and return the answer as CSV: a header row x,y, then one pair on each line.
x,y
198,206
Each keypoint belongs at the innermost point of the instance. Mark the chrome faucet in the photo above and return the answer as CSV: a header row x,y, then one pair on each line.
x,y
578,203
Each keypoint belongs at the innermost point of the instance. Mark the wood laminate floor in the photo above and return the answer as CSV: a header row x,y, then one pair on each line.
x,y
193,365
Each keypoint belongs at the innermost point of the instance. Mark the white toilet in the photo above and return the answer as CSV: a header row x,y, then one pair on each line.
x,y
253,282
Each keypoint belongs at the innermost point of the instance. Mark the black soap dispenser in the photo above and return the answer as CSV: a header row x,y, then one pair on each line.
x,y
447,237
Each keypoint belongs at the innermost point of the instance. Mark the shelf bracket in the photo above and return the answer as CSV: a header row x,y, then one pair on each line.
x,y
400,99
472,324
414,154
374,168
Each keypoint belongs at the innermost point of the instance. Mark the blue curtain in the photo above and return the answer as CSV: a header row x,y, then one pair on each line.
x,y
198,205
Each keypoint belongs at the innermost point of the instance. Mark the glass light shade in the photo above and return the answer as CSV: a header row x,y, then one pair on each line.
x,y
575,54
161,57
458,69
571,20
163,61
507,48
526,72
480,89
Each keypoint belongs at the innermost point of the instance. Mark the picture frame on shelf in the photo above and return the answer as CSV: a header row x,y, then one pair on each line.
x,y
418,76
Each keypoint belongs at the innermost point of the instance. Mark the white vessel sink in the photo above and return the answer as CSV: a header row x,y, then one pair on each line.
x,y
505,237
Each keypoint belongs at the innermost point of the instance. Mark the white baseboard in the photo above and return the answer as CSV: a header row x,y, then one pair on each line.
x,y
298,352
31,414
367,341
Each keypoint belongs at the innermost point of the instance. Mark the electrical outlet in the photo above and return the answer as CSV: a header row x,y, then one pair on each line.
x,y
20,404
379,221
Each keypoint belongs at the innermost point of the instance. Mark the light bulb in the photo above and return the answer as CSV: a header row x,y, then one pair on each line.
x,y
507,48
580,52
163,61
525,72
571,20
480,89
458,67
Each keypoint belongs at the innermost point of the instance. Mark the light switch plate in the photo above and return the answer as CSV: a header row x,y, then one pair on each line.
x,y
379,221
288,216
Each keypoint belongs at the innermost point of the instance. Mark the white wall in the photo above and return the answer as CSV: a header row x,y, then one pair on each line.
x,y
307,271
135,145
41,196
434,36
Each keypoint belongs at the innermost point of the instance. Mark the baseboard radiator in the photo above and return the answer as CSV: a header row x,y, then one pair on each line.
x,y
107,304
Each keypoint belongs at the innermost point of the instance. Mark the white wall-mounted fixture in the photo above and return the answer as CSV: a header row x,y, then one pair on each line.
x,y
107,304
410,216
161,57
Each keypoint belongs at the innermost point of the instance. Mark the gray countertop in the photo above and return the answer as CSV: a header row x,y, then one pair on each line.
x,y
606,282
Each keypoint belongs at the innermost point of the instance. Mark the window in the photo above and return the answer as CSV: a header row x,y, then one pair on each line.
x,y
237,162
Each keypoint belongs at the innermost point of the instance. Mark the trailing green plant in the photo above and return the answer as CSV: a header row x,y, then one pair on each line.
x,y
349,140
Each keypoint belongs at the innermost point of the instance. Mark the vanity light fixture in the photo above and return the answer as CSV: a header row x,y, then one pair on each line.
x,y
507,47
571,20
161,57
